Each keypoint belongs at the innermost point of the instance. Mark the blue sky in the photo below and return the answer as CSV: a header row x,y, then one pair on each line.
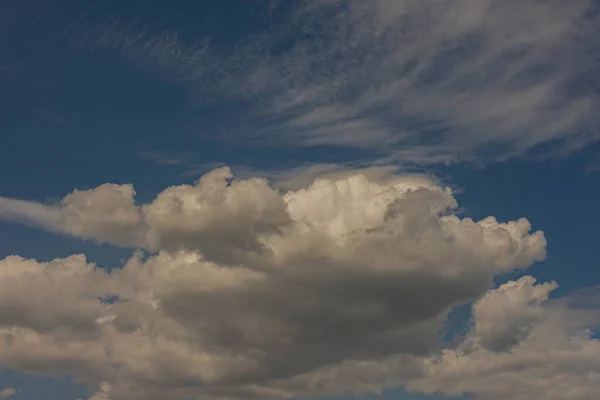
x,y
497,101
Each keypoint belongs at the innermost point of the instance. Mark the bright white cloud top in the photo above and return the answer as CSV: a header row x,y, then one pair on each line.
x,y
246,291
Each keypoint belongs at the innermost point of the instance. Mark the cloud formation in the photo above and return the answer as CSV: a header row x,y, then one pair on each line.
x,y
408,81
342,285
554,354
103,393
247,291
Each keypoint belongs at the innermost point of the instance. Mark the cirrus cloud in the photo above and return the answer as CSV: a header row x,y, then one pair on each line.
x,y
407,81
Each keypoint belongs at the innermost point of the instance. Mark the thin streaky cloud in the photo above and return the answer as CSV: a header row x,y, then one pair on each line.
x,y
162,158
29,213
424,82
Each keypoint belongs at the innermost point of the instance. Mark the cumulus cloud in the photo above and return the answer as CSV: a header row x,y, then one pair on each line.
x,y
248,291
505,316
304,175
223,218
421,81
553,353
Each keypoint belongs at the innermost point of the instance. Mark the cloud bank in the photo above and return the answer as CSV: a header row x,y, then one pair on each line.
x,y
249,292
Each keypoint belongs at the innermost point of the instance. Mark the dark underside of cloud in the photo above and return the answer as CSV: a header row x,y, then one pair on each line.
x,y
340,287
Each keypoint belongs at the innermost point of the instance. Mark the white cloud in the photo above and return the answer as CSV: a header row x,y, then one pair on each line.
x,y
229,219
410,81
29,213
258,293
340,287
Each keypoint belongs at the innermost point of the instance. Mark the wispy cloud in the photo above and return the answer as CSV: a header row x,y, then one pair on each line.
x,y
164,52
294,178
162,158
410,81
29,213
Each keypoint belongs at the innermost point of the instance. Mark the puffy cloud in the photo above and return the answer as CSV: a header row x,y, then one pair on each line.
x,y
550,351
342,286
106,214
249,291
220,216
349,220
304,175
506,316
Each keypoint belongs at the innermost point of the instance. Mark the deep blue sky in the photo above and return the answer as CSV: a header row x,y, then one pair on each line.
x,y
80,107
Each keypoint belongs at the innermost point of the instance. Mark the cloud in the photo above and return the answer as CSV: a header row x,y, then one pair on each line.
x,y
29,213
228,219
7,392
105,389
298,177
506,315
220,216
406,81
253,292
555,357
160,158
302,176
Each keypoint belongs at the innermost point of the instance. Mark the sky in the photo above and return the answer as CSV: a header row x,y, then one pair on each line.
x,y
316,199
